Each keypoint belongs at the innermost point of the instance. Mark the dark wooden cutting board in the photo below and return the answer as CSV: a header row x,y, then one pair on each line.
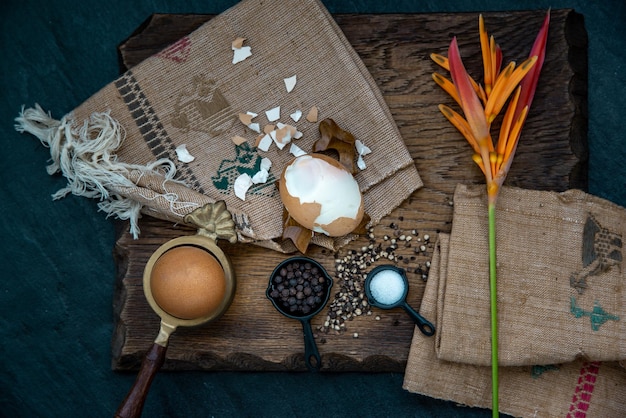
x,y
252,335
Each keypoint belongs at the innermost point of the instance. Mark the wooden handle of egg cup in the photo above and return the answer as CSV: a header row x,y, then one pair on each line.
x,y
132,405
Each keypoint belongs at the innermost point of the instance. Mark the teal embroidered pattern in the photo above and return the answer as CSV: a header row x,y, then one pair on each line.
x,y
537,371
248,161
597,315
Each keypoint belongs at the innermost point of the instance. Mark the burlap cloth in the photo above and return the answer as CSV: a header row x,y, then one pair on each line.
x,y
561,306
119,146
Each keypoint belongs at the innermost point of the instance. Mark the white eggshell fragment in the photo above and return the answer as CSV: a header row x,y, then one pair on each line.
x,y
265,142
290,83
255,127
241,186
360,162
266,164
296,150
240,52
362,150
183,155
296,115
273,114
321,195
260,177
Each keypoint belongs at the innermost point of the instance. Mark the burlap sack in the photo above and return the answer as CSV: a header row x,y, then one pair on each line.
x,y
576,389
119,146
560,281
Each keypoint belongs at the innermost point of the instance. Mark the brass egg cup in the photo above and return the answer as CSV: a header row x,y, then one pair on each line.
x,y
207,244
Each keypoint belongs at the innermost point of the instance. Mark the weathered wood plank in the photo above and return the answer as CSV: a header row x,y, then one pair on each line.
x,y
395,49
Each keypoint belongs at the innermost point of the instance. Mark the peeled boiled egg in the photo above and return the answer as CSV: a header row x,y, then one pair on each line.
x,y
188,282
321,195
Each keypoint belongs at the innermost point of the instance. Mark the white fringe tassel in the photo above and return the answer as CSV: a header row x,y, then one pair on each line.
x,y
86,157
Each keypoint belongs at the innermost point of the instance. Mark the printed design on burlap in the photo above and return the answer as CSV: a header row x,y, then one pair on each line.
x,y
202,108
598,316
151,128
602,249
246,161
581,400
178,52
538,370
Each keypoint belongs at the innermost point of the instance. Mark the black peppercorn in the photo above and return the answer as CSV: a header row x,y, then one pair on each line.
x,y
299,287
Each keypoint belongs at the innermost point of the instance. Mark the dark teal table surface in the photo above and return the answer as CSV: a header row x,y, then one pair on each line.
x,y
56,268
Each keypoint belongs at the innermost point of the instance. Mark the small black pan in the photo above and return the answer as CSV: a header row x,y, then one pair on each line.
x,y
386,287
300,303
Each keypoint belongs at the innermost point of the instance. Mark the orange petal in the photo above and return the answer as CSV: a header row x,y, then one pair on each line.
x,y
486,53
440,60
495,68
507,122
447,85
505,84
511,144
443,62
461,124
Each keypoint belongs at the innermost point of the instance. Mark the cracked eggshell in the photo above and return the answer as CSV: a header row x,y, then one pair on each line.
x,y
321,195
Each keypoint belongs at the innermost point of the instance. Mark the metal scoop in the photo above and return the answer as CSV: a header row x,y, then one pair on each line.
x,y
312,357
390,285
213,222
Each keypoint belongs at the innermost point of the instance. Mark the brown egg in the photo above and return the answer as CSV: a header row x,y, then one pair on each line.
x,y
321,195
188,282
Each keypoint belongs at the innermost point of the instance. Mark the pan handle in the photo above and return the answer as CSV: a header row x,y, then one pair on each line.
x,y
422,323
132,405
312,357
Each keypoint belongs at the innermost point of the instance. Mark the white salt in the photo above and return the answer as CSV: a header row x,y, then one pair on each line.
x,y
387,287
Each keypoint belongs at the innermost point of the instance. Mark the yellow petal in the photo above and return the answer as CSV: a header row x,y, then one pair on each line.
x,y
479,161
493,160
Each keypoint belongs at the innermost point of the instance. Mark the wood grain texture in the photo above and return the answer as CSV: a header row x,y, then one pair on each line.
x,y
252,335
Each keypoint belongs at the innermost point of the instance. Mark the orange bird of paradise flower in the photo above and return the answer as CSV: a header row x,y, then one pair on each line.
x,y
481,104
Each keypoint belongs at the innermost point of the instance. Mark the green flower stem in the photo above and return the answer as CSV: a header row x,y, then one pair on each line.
x,y
494,309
